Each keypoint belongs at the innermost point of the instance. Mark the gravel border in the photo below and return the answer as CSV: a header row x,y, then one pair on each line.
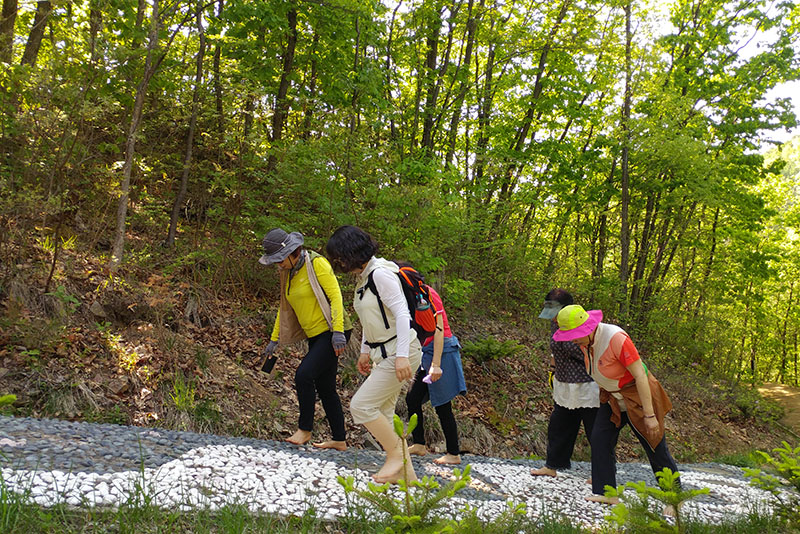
x,y
104,465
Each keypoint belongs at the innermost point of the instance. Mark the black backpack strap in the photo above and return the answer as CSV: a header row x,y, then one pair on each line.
x,y
371,286
380,344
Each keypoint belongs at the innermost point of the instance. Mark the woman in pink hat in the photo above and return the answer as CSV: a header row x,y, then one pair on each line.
x,y
629,394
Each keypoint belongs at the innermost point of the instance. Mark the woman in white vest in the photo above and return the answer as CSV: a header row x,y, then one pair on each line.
x,y
389,355
310,308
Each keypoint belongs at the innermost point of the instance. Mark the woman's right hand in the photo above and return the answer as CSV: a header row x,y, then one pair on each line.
x,y
364,364
270,348
435,373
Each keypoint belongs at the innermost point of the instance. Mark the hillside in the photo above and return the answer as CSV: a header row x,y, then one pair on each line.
x,y
156,346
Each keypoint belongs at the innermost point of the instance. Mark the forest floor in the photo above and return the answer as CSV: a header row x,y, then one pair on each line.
x,y
163,343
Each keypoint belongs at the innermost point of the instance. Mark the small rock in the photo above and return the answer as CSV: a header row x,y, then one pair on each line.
x,y
118,386
97,309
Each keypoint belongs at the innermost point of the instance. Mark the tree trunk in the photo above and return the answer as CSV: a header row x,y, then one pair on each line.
x,y
187,160
388,71
130,142
485,100
431,87
308,112
784,329
218,82
95,25
9,16
624,231
31,53
281,110
707,274
455,119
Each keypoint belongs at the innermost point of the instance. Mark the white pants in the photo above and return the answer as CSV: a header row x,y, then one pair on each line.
x,y
378,394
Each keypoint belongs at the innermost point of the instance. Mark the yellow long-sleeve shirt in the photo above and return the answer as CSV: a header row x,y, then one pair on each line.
x,y
304,303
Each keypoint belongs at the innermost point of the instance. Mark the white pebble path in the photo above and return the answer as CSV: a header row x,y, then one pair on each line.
x,y
272,479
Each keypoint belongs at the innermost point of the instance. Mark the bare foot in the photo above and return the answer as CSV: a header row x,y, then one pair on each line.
x,y
301,437
418,449
543,472
448,459
602,499
392,478
390,468
338,445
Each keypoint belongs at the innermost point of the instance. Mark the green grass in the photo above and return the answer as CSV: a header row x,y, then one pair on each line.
x,y
739,459
19,515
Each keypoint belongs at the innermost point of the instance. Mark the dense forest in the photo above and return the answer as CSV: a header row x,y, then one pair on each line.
x,y
503,147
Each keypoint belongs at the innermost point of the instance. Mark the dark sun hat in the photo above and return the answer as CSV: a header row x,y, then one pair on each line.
x,y
277,245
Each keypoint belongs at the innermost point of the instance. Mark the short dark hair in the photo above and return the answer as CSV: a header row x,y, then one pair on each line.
x,y
561,296
350,247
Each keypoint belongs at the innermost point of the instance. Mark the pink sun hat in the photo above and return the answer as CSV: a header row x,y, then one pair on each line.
x,y
575,322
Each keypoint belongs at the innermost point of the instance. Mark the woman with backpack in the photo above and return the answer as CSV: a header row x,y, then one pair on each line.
x,y
390,349
310,308
439,379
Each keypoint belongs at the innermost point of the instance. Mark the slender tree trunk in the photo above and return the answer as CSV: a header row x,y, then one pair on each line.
x,y
308,112
602,238
31,53
455,119
784,329
431,87
9,16
187,159
281,111
624,232
95,25
796,377
141,7
354,116
249,110
643,251
485,100
218,82
707,273
130,143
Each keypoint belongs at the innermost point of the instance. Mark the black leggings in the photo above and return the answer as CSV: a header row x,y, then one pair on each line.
x,y
415,398
316,375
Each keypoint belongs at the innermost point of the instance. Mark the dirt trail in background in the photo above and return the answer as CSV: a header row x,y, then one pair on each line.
x,y
789,398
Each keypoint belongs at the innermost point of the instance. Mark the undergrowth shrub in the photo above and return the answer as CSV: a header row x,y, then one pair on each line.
x,y
637,513
412,510
490,348
782,473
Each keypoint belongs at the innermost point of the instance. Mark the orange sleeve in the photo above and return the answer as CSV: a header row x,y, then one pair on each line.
x,y
628,353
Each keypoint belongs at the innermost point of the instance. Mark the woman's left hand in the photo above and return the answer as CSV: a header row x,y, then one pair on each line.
x,y
402,369
651,427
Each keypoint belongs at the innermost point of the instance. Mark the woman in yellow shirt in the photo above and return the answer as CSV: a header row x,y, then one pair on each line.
x,y
310,308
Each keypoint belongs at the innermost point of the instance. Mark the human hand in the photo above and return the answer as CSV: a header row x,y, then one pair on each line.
x,y
651,427
339,342
364,364
402,369
435,373
270,348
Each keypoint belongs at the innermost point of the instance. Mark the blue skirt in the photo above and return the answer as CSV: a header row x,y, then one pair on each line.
x,y
452,381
